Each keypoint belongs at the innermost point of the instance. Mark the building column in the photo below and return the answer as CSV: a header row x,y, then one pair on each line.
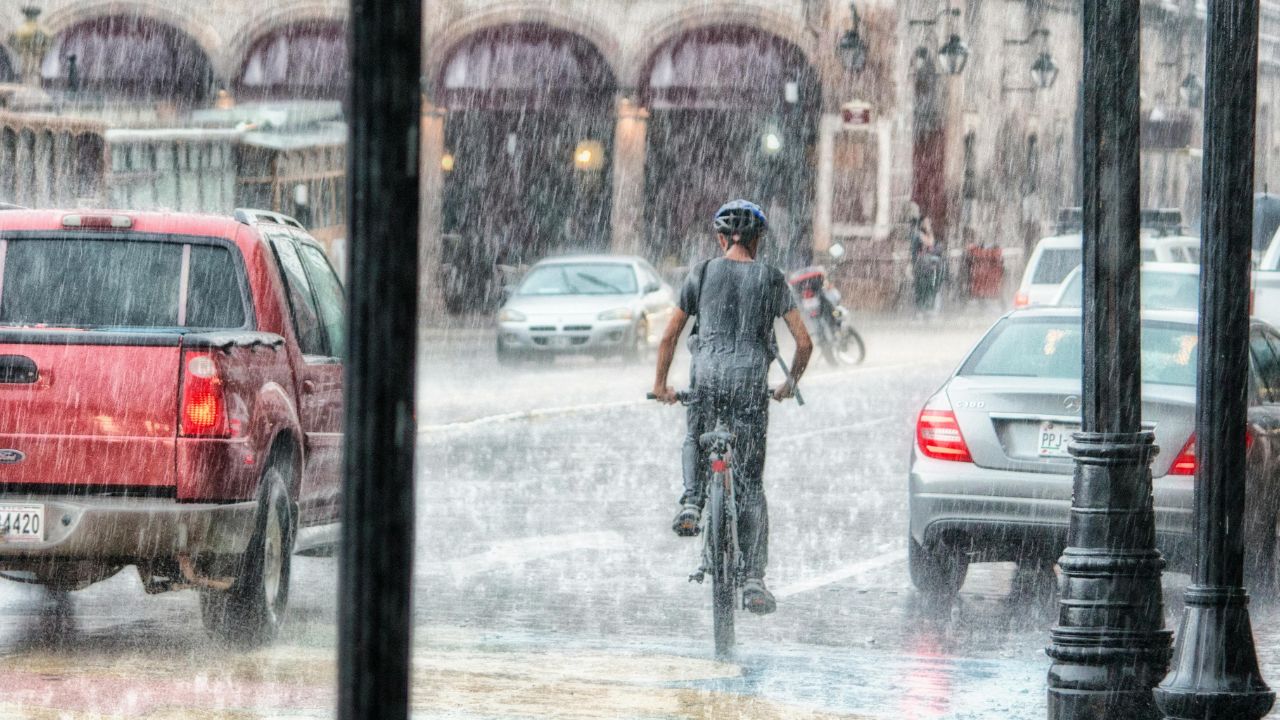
x,y
432,152
629,148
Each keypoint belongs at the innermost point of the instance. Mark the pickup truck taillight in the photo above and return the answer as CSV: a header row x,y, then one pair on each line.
x,y
204,406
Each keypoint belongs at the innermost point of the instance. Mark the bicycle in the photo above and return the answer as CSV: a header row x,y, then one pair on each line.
x,y
721,554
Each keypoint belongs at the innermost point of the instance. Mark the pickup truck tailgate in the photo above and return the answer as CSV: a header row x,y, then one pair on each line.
x,y
88,417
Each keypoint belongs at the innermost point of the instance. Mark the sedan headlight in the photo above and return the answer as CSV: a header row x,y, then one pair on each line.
x,y
509,315
623,313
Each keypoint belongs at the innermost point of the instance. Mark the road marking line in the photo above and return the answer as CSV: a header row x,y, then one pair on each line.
x,y
528,415
831,430
524,550
595,407
844,573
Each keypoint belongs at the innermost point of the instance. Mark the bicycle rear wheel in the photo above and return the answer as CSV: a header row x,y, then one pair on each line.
x,y
724,574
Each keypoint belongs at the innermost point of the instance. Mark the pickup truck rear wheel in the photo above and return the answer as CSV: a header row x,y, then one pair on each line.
x,y
252,611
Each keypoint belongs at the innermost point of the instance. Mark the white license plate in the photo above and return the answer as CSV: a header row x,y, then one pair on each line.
x,y
21,523
561,341
1054,438
811,303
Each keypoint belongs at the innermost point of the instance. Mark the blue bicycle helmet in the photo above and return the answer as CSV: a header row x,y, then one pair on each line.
x,y
740,217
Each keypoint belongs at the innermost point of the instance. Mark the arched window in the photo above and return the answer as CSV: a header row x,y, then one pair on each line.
x,y
129,57
525,66
304,60
728,68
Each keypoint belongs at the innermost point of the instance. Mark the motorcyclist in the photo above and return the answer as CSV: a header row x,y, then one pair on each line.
x,y
735,301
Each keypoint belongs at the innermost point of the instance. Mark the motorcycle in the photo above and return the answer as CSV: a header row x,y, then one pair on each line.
x,y
829,322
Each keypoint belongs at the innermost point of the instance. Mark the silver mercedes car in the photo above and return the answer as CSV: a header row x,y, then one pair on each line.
x,y
990,476
585,304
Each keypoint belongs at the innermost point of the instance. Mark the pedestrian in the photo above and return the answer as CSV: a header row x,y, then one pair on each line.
x,y
927,267
736,300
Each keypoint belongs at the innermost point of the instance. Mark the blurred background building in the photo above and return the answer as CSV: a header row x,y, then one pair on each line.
x,y
594,124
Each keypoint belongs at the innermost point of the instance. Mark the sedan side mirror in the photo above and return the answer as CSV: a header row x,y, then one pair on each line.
x,y
652,287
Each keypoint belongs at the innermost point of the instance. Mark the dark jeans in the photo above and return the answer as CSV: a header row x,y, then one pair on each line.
x,y
740,399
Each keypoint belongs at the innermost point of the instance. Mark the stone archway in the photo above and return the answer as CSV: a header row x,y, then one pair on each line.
x,y
733,112
128,57
528,141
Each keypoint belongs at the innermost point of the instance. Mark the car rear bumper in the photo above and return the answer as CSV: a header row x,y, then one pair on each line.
x,y
532,337
1006,515
130,530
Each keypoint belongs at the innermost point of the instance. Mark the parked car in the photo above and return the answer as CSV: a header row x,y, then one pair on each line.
x,y
170,398
1164,286
1162,240
990,477
585,304
1266,283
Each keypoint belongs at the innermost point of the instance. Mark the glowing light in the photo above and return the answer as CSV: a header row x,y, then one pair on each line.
x,y
446,162
588,156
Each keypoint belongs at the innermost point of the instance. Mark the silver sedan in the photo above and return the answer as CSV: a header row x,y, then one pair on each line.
x,y
990,476
585,304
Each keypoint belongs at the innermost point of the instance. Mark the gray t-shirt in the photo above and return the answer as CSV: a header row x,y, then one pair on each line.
x,y
736,304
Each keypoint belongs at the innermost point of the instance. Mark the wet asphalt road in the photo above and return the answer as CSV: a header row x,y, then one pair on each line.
x,y
548,583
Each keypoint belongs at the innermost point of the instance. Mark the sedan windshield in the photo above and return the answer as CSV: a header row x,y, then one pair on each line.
x,y
1160,291
580,279
1051,348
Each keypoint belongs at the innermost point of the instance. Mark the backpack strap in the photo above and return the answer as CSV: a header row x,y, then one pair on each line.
x,y
702,280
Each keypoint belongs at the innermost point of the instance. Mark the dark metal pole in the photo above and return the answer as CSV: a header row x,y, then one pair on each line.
x,y
382,191
1110,647
1215,670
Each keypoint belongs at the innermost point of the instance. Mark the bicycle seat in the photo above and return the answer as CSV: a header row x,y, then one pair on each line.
x,y
718,438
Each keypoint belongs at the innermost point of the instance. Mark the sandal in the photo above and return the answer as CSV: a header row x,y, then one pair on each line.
x,y
756,597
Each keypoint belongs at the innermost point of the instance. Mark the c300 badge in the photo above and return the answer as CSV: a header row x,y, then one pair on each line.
x,y
8,456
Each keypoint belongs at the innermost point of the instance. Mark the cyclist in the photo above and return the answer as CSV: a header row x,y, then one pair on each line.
x,y
735,300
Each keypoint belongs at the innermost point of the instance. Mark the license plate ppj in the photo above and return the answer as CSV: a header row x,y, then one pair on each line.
x,y
1054,438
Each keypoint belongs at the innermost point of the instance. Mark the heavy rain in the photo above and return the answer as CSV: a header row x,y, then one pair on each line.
x,y
639,359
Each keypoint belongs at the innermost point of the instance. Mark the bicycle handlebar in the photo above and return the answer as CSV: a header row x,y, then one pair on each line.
x,y
685,397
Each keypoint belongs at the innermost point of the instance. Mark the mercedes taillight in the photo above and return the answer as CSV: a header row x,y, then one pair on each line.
x,y
938,433
1185,463
204,405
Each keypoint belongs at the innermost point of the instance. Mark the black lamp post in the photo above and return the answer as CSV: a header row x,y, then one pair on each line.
x,y
1215,669
374,610
852,49
1109,647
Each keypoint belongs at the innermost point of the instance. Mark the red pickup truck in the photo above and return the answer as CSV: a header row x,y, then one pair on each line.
x,y
171,399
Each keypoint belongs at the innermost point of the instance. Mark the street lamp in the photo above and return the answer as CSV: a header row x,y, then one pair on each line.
x,y
852,49
954,53
1044,71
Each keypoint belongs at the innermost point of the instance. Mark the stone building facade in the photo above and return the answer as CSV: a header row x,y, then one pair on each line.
x,y
553,125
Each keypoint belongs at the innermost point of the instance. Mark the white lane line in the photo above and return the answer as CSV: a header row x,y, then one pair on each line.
x,y
843,573
528,415
595,407
831,430
509,553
